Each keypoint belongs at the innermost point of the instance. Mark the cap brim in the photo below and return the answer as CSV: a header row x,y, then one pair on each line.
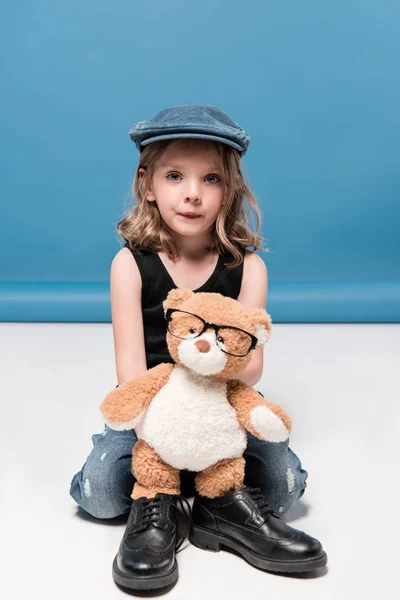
x,y
202,136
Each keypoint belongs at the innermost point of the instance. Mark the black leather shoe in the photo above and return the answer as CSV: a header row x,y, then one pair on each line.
x,y
243,522
146,556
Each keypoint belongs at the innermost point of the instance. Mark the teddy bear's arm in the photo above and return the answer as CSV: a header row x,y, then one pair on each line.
x,y
265,420
124,406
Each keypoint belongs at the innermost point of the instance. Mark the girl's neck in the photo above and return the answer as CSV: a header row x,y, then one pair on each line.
x,y
193,248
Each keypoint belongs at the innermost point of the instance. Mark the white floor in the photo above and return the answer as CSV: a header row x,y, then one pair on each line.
x,y
340,384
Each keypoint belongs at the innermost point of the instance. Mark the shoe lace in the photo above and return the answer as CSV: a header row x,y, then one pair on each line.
x,y
151,513
184,506
259,499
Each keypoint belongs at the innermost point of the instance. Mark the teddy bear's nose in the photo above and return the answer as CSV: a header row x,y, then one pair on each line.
x,y
202,345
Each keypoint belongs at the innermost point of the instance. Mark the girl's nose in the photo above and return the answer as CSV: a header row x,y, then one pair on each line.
x,y
192,192
192,198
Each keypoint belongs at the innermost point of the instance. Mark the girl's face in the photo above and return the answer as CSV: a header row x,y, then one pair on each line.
x,y
188,188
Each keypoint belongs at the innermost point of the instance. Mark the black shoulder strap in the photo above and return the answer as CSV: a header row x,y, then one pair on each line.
x,y
154,287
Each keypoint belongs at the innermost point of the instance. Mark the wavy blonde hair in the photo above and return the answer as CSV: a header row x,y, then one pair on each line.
x,y
144,228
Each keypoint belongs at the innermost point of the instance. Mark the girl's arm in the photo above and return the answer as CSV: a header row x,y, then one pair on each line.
x,y
253,294
127,320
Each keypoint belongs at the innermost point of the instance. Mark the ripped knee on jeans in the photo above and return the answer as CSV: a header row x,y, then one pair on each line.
x,y
291,490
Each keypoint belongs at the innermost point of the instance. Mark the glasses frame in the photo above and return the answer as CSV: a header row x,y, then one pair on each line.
x,y
208,325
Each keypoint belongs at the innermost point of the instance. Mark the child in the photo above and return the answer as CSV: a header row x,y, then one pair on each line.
x,y
189,229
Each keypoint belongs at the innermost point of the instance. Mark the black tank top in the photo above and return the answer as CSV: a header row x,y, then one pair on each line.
x,y
157,282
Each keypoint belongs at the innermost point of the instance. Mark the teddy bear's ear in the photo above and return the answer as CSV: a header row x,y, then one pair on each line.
x,y
261,320
176,297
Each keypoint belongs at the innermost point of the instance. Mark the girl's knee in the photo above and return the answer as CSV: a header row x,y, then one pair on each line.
x,y
277,471
286,489
104,492
104,484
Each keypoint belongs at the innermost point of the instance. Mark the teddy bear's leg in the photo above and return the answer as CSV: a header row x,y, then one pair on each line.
x,y
152,474
221,478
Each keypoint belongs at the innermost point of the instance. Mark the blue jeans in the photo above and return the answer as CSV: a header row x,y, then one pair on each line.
x,y
104,484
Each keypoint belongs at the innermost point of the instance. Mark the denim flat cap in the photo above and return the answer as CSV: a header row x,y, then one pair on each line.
x,y
201,121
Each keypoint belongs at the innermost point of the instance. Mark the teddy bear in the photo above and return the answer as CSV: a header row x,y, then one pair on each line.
x,y
194,414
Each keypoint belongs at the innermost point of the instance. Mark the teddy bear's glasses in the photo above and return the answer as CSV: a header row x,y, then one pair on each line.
x,y
188,326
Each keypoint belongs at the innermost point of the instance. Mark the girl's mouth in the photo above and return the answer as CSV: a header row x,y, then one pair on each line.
x,y
189,215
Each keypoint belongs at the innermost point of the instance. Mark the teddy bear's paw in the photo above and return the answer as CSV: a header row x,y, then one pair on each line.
x,y
268,425
123,426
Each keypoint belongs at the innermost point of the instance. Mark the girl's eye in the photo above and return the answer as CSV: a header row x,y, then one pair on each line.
x,y
215,177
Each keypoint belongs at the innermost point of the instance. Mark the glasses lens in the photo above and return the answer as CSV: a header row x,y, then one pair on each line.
x,y
185,326
233,341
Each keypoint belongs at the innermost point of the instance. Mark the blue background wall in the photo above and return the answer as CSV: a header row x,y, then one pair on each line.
x,y
314,83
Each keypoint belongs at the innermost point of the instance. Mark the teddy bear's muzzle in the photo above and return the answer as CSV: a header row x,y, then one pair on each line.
x,y
203,346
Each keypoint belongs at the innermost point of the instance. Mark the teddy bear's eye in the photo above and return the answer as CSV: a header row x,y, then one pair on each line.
x,y
220,339
192,330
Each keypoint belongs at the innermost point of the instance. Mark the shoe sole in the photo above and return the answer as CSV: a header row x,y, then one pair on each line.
x,y
212,542
146,582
